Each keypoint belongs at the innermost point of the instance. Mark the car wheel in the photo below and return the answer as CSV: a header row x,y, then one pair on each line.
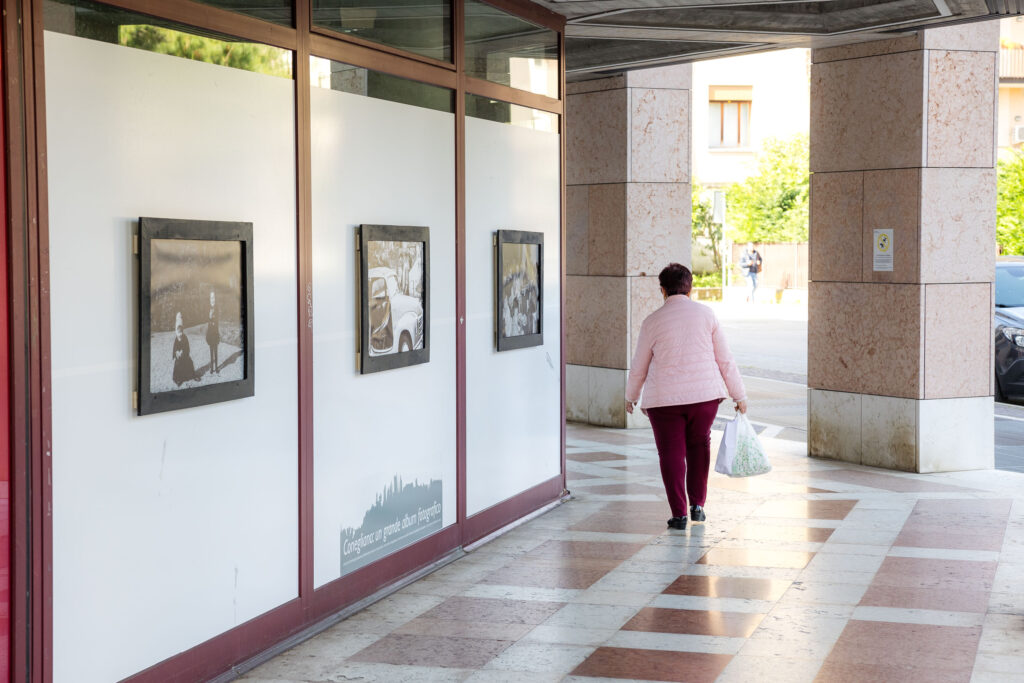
x,y
999,395
405,343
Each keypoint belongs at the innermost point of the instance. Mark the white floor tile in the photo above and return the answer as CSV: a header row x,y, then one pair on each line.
x,y
498,591
716,604
676,642
745,669
592,616
569,635
944,554
918,616
542,658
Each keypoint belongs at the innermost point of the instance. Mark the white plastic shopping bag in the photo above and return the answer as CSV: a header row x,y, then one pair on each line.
x,y
741,454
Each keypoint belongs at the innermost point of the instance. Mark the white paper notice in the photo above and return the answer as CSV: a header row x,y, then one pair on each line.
x,y
883,250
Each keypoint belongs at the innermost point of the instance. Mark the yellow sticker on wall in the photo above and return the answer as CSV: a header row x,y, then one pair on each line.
x,y
883,252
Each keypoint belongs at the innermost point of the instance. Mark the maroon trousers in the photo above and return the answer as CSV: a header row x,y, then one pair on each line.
x,y
683,436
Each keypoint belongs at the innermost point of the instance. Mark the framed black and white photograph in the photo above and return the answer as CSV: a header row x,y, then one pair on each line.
x,y
394,285
195,313
519,300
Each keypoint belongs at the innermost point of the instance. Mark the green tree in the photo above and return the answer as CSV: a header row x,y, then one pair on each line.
x,y
1010,204
771,205
249,56
704,228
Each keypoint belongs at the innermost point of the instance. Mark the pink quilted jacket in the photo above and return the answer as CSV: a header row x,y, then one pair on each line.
x,y
681,357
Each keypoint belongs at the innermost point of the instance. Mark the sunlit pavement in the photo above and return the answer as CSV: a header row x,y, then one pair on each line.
x,y
817,571
769,342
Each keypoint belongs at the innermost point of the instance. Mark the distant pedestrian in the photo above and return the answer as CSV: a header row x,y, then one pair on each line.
x,y
750,263
684,366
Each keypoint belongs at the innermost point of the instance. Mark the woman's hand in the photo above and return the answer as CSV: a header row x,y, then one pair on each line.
x,y
629,406
741,407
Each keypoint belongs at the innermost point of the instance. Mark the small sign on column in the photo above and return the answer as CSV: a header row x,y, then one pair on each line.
x,y
883,251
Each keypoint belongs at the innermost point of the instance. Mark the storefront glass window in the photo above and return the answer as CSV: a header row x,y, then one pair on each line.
x,y
382,160
503,112
276,11
135,133
355,80
121,27
423,27
505,49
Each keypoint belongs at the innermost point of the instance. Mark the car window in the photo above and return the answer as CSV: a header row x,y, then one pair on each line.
x,y
1010,286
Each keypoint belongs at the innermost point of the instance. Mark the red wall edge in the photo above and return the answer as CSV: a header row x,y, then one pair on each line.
x,y
493,518
217,655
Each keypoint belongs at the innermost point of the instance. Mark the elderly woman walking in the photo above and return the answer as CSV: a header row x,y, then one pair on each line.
x,y
685,368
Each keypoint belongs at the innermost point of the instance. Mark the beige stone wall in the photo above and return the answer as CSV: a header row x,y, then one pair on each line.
x,y
903,137
628,215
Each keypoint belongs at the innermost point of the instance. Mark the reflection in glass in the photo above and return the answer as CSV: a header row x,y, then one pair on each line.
x,y
107,24
276,11
503,112
423,27
331,75
505,49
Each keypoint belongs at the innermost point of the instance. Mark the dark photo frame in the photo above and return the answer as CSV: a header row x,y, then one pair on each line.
x,y
518,289
196,326
394,297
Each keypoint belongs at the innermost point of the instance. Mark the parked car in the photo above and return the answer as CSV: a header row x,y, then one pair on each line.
x,y
1009,329
396,319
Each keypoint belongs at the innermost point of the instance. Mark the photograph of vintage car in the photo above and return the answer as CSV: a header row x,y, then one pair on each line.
x,y
395,283
195,316
518,289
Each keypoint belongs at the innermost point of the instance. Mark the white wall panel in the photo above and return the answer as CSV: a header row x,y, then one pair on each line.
x,y
513,398
378,162
171,528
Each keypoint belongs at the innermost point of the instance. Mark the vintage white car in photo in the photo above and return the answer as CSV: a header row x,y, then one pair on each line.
x,y
396,319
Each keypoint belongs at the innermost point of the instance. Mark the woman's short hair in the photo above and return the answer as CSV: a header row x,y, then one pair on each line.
x,y
676,279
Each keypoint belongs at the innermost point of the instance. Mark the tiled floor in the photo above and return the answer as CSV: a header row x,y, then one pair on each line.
x,y
817,571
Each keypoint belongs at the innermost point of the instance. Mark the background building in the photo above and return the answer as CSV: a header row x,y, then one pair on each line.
x,y
1010,130
738,103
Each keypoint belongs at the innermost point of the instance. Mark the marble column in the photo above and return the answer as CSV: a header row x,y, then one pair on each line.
x,y
628,216
900,361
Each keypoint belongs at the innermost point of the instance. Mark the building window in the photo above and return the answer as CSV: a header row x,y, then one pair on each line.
x,y
729,116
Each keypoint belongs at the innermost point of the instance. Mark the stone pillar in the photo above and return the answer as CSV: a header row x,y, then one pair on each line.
x,y
900,362
628,216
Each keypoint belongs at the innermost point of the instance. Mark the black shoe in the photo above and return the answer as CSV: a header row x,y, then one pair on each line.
x,y
697,513
677,523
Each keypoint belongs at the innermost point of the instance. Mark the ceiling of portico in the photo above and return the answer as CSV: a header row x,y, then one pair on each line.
x,y
610,36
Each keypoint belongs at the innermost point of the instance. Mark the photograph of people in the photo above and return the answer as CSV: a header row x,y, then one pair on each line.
x,y
684,366
213,332
520,290
184,370
195,314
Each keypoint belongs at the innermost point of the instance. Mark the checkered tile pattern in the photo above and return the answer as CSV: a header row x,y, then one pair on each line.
x,y
817,571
